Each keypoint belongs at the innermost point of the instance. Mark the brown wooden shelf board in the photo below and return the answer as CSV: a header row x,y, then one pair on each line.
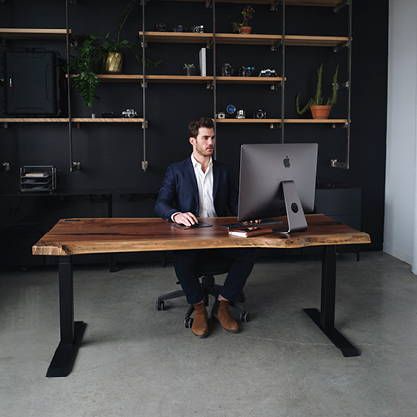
x,y
33,120
65,120
187,79
244,39
177,37
315,3
27,33
306,40
107,120
289,121
316,121
247,121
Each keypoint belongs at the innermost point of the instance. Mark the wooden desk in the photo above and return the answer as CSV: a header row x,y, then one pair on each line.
x,y
70,237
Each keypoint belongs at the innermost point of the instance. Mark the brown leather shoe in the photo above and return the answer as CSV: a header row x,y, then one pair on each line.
x,y
200,323
225,318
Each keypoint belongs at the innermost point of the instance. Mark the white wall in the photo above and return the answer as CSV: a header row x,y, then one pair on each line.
x,y
400,237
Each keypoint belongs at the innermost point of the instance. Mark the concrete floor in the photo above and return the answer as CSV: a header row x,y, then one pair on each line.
x,y
139,362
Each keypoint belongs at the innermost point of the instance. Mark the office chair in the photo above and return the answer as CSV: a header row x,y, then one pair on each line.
x,y
208,268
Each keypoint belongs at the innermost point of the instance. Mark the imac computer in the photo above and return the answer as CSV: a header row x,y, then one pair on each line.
x,y
277,179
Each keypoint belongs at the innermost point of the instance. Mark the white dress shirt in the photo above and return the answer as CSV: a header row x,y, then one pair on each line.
x,y
205,188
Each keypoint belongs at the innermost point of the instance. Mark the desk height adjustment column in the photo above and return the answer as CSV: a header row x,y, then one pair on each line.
x,y
71,333
325,317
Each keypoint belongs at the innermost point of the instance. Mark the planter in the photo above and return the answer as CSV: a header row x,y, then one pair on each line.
x,y
245,29
114,62
320,111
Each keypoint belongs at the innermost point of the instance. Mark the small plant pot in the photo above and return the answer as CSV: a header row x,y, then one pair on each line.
x,y
245,29
114,62
320,111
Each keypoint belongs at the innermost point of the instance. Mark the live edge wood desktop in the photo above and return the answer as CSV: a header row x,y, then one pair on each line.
x,y
73,237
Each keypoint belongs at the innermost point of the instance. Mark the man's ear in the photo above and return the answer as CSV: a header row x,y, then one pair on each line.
x,y
192,140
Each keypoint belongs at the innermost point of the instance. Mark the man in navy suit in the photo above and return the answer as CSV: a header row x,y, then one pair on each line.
x,y
201,187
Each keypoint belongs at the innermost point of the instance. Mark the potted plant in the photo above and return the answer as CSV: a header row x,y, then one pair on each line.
x,y
247,15
320,109
84,67
113,46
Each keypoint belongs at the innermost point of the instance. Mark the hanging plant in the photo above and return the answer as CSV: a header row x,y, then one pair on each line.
x,y
84,67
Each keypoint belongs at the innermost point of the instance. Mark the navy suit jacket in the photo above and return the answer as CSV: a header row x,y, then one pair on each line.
x,y
179,191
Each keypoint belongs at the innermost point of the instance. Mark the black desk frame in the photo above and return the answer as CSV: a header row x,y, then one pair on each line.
x,y
71,332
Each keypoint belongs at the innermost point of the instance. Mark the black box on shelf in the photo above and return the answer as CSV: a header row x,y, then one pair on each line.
x,y
33,81
37,179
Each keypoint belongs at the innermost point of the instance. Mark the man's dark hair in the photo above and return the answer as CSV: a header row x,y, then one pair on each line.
x,y
196,124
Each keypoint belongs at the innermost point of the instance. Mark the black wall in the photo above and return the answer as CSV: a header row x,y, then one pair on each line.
x,y
110,155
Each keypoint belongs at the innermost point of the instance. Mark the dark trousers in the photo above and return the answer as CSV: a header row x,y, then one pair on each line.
x,y
189,265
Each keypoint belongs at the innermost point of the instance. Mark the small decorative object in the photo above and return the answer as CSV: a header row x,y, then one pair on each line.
x,y
317,105
197,29
240,114
35,178
160,27
178,28
260,114
129,113
227,70
93,115
231,110
247,15
247,71
6,166
109,114
189,69
221,115
267,72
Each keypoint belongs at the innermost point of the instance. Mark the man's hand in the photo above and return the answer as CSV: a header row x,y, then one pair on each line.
x,y
187,219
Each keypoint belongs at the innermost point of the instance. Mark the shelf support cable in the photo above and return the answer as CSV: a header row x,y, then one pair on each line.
x,y
283,76
214,82
74,165
144,162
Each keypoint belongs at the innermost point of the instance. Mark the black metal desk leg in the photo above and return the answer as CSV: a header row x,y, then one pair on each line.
x,y
325,317
71,332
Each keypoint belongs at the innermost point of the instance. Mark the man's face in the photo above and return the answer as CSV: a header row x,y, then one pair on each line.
x,y
204,143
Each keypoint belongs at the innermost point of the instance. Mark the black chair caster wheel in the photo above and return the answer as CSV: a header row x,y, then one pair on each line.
x,y
244,317
160,305
188,322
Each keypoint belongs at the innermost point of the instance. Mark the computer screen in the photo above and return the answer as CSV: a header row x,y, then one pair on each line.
x,y
264,168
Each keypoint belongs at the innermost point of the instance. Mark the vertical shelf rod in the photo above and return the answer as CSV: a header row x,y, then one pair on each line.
x,y
144,163
350,86
283,74
213,5
67,53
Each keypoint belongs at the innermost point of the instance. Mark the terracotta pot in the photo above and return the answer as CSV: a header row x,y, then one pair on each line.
x,y
114,62
320,111
245,29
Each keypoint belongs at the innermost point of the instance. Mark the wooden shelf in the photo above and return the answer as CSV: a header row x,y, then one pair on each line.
x,y
315,3
65,120
107,120
316,121
248,80
28,33
244,39
306,40
289,121
177,37
34,120
187,79
248,121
